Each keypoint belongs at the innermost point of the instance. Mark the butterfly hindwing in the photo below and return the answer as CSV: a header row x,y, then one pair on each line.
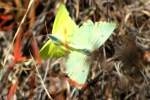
x,y
77,67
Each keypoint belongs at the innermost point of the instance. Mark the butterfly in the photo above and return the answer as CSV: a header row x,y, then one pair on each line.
x,y
78,41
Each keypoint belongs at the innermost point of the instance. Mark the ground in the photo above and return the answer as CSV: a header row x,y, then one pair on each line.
x,y
120,69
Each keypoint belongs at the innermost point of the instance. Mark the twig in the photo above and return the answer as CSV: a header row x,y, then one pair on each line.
x,y
41,80
19,28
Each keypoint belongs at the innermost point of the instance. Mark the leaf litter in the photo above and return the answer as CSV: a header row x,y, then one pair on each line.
x,y
120,69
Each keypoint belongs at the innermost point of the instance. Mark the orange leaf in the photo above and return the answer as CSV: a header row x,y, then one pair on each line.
x,y
5,17
75,84
147,56
12,90
17,50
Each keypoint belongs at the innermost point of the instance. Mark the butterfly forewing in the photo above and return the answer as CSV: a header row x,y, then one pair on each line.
x,y
102,31
63,29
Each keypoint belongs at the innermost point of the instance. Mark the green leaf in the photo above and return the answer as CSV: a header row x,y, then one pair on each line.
x,y
63,29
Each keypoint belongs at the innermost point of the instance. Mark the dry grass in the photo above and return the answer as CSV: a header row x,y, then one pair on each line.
x,y
120,69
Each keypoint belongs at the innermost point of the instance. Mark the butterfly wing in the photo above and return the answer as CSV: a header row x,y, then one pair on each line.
x,y
51,50
91,36
62,29
77,67
63,26
102,31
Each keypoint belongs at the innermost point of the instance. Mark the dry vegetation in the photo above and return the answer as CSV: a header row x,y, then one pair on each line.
x,y
120,69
